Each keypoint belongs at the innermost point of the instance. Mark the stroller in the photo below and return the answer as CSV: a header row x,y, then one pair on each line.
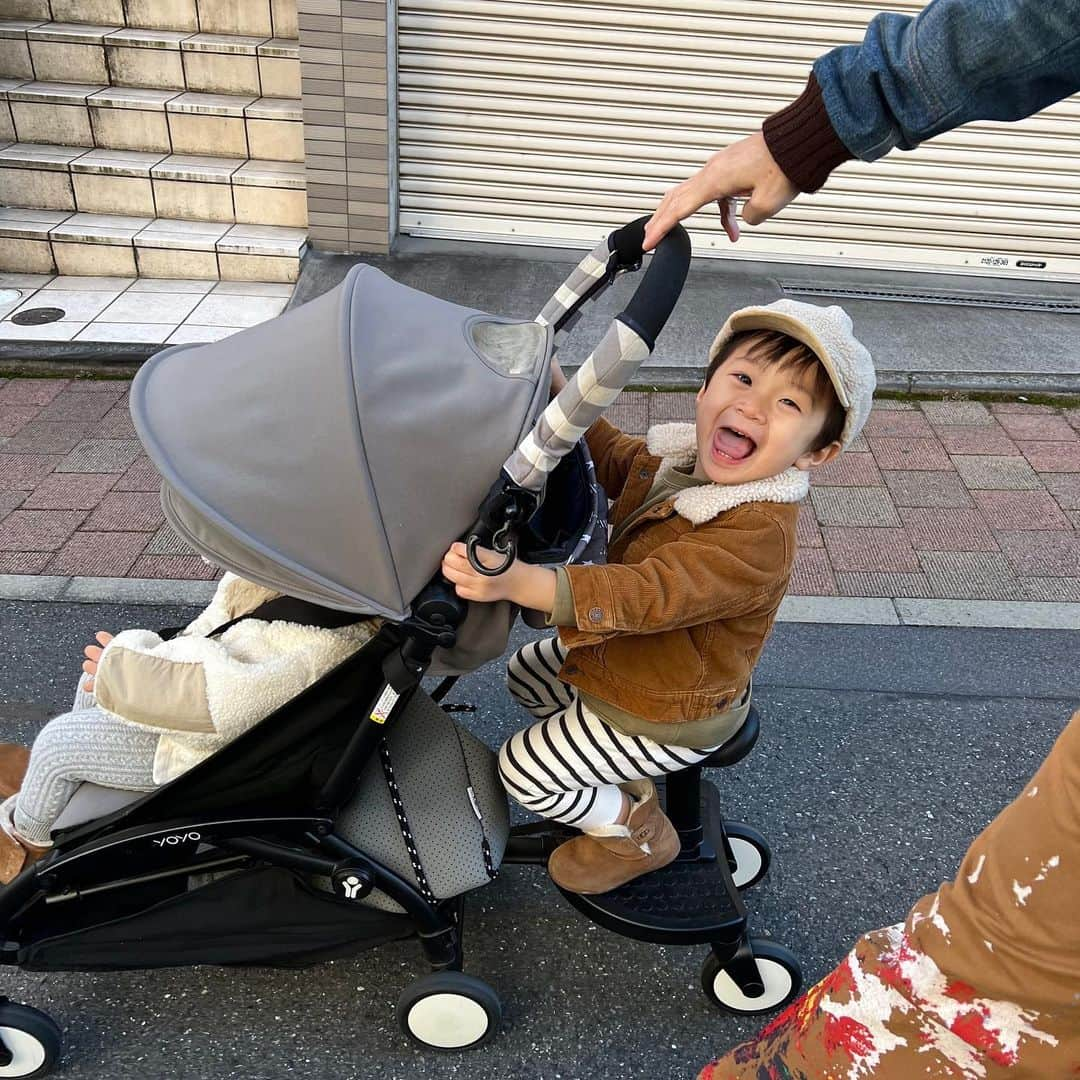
x,y
293,469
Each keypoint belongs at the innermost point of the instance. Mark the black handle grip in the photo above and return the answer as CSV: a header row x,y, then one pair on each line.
x,y
656,296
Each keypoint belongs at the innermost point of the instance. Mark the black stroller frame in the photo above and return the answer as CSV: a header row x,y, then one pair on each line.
x,y
112,892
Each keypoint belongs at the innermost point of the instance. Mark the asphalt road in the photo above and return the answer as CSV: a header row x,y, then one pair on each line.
x,y
884,750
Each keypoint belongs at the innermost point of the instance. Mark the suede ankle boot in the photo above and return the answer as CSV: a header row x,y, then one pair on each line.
x,y
15,856
15,853
13,762
610,856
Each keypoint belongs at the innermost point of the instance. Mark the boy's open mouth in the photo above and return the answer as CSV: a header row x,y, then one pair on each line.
x,y
732,444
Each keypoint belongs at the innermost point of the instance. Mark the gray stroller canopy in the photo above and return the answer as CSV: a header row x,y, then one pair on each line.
x,y
335,452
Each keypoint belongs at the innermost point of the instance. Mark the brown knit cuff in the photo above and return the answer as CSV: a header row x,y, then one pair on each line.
x,y
802,141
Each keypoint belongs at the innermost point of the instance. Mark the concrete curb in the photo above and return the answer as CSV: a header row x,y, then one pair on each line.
x,y
883,611
105,590
86,357
118,360
668,377
847,610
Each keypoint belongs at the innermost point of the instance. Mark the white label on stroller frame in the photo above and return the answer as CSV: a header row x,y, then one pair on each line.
x,y
384,705
177,838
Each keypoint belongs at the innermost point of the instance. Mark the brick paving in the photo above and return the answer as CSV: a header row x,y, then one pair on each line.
x,y
950,499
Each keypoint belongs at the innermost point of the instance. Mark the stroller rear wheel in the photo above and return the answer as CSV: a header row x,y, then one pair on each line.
x,y
751,852
29,1041
449,1011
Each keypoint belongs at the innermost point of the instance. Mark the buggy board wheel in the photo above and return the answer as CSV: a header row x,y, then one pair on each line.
x,y
751,851
31,1041
449,1010
779,971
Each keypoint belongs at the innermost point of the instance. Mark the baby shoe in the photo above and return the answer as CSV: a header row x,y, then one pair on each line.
x,y
13,762
15,852
611,855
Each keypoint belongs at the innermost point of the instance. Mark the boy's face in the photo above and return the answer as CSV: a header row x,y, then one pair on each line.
x,y
756,420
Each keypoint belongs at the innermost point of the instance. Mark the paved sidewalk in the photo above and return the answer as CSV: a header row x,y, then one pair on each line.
x,y
940,500
150,311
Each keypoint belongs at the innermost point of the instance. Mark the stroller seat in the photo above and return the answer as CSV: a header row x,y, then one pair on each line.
x,y
92,801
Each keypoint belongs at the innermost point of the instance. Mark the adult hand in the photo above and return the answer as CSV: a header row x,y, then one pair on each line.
x,y
745,169
93,656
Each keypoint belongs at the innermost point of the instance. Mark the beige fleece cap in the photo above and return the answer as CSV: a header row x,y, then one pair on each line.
x,y
827,331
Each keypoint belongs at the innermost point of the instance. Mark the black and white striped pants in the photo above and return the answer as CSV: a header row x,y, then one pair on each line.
x,y
568,766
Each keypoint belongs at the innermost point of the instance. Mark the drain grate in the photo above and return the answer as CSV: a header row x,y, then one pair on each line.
x,y
36,316
958,299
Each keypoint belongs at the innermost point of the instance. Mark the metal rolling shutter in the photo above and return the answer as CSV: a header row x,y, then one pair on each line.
x,y
549,123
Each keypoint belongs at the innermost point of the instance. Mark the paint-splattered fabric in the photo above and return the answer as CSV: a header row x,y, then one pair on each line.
x,y
982,981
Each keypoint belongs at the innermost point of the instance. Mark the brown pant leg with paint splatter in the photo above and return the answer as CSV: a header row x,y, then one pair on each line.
x,y
981,981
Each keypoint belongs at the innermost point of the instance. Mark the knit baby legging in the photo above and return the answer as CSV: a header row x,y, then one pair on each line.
x,y
86,744
568,766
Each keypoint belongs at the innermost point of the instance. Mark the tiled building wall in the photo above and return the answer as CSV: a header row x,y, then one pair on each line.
x,y
343,69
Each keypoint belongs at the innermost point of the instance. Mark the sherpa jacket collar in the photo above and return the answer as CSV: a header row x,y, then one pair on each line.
x,y
676,445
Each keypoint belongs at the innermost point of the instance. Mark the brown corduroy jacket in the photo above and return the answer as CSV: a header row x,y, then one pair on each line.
x,y
670,629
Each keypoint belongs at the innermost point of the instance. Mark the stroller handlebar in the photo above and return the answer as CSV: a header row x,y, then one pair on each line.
x,y
630,338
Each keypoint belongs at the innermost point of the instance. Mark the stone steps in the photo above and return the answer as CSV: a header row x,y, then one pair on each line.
x,y
134,183
36,241
265,18
165,59
155,137
170,119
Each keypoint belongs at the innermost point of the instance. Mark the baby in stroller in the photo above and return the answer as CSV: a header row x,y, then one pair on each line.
x,y
649,672
148,708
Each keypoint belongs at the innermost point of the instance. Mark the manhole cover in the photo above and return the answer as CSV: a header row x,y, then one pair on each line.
x,y
9,296
35,316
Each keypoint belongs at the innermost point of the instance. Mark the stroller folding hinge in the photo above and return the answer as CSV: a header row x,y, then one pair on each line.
x,y
351,881
401,672
437,612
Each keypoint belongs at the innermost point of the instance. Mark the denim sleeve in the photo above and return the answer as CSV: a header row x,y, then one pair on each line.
x,y
959,60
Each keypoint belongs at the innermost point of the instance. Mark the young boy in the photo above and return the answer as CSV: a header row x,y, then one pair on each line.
x,y
650,669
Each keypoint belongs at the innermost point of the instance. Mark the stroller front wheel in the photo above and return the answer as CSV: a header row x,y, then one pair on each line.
x,y
778,970
29,1041
449,1011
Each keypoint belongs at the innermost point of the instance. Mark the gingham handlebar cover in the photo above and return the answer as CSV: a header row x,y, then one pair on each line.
x,y
615,361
